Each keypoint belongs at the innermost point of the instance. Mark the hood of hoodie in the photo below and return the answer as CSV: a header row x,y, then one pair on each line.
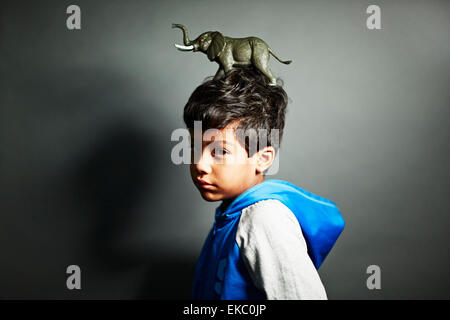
x,y
319,218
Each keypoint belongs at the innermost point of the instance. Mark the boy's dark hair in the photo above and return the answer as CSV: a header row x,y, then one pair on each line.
x,y
243,94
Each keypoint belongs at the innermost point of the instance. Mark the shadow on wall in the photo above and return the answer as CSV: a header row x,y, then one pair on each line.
x,y
79,181
114,179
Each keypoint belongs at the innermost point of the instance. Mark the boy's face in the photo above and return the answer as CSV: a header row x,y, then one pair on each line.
x,y
222,169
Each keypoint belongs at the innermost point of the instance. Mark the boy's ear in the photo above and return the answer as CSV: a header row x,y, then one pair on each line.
x,y
264,159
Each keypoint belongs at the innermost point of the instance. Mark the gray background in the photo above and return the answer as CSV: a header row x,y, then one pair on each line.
x,y
86,118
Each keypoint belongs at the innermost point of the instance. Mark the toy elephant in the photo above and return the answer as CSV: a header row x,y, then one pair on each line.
x,y
230,52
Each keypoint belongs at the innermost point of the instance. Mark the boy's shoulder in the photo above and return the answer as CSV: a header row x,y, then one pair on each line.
x,y
266,211
266,219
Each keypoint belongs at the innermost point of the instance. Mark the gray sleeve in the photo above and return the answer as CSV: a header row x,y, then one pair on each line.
x,y
274,251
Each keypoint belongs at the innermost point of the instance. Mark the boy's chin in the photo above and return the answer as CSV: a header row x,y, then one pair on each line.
x,y
210,196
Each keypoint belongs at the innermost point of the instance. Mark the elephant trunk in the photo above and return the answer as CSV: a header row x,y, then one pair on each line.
x,y
186,40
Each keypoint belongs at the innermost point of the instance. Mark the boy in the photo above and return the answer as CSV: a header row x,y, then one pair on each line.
x,y
269,237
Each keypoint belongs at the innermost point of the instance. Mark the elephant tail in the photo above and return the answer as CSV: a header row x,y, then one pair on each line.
x,y
285,62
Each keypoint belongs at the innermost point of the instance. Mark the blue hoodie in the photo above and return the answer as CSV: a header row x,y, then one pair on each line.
x,y
220,271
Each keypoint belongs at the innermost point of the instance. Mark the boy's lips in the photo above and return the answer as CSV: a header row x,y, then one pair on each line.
x,y
204,184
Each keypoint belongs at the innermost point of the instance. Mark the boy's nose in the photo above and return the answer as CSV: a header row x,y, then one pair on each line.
x,y
203,164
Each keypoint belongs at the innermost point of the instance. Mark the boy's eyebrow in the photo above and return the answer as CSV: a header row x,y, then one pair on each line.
x,y
229,143
224,141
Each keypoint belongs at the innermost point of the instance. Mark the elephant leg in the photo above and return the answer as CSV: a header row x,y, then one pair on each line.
x,y
261,62
227,67
264,68
219,74
227,62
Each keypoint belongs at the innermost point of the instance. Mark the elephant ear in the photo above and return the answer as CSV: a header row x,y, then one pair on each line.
x,y
216,46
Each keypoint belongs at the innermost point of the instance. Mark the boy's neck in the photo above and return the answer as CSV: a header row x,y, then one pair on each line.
x,y
227,202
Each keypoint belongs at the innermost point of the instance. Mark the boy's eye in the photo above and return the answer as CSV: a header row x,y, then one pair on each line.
x,y
219,152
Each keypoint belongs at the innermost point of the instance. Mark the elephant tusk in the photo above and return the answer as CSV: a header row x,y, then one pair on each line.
x,y
184,48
